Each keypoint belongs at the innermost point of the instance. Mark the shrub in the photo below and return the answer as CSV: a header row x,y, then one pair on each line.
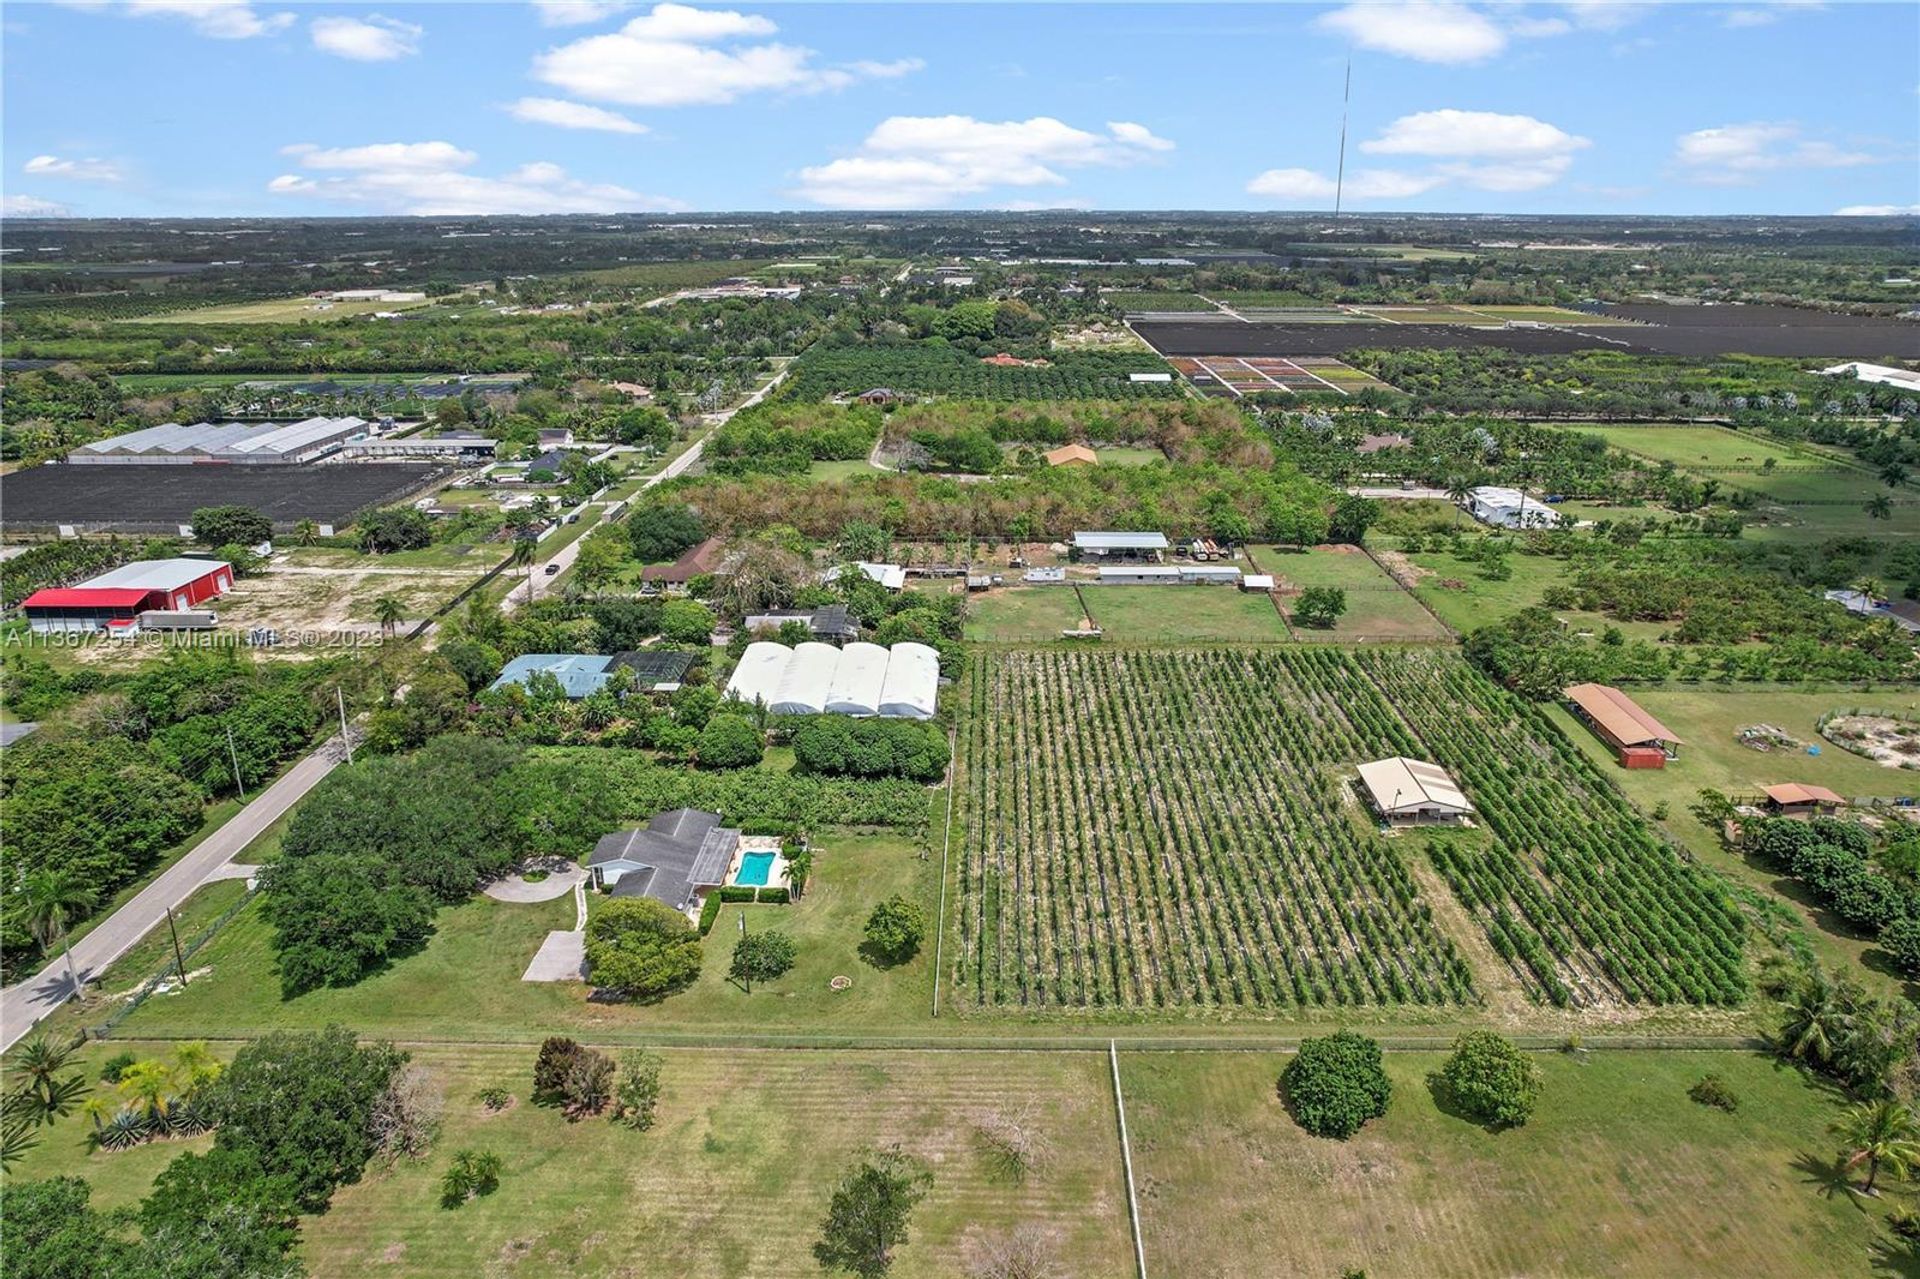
x,y
1901,940
1713,1091
895,929
1489,1080
1336,1083
730,741
734,893
709,911
494,1097
772,896
472,1174
115,1066
638,1092
572,1076
641,948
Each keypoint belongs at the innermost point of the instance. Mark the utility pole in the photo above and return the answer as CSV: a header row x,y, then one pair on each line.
x,y
234,755
1340,175
346,739
179,961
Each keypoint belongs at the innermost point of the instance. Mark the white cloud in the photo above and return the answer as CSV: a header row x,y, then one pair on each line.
x,y
1877,211
1484,150
32,206
1300,185
1429,30
1739,153
916,162
572,115
369,39
430,157
87,170
429,179
215,19
1769,14
575,13
670,56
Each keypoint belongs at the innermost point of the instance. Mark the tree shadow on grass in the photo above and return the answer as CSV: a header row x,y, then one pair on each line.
x,y
1892,1255
878,958
1830,1177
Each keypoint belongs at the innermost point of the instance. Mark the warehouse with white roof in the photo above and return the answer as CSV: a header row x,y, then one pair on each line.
x,y
860,679
1410,791
247,443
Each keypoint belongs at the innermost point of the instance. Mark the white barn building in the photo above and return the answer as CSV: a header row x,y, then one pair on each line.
x,y
1509,508
860,679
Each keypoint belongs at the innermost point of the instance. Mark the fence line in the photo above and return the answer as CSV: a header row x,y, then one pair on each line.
x,y
170,969
1126,1157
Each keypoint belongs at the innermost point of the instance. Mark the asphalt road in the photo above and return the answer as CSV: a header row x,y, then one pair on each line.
x,y
24,1004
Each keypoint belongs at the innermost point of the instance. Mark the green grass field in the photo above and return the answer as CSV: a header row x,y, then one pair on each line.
x,y
468,973
835,472
1129,457
1462,597
1377,606
1702,446
1617,1174
1184,615
275,311
1022,614
1155,300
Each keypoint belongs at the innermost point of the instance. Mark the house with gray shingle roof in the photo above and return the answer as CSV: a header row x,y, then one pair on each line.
x,y
674,858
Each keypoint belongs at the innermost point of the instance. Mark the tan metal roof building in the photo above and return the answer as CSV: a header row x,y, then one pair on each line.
x,y
1618,718
1072,455
1791,793
1413,790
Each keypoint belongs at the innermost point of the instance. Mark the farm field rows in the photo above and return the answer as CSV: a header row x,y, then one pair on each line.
x,y
1169,830
1573,889
1227,863
275,311
1238,376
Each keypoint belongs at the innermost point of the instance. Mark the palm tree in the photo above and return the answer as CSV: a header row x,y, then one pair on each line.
x,y
44,903
43,1094
151,1084
388,612
1880,1134
1878,507
524,550
194,1067
1894,474
1814,1025
306,533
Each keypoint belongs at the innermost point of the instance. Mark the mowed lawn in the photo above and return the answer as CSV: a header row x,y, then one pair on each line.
x,y
1462,596
1377,606
1183,614
1686,446
465,982
274,311
1617,1174
1022,613
735,1176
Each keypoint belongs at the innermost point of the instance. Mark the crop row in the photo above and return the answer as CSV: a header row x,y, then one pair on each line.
x,y
1176,830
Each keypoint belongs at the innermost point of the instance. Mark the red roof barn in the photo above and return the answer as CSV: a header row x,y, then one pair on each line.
x,y
115,600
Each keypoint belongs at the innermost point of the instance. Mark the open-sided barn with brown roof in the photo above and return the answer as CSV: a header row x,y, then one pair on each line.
x,y
1624,724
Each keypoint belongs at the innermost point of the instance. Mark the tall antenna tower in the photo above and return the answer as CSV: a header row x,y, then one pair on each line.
x,y
1340,175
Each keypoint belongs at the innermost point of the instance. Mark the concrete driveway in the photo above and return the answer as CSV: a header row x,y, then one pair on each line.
x,y
515,888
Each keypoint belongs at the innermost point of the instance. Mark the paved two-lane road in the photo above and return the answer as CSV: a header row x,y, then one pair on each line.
x,y
23,1005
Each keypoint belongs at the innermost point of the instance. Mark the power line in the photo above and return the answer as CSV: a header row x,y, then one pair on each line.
x,y
1340,174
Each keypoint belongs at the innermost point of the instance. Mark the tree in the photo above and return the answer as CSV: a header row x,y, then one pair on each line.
x,y
53,1232
1901,940
1352,517
1336,1083
1320,606
473,1173
1879,1134
895,929
860,540
730,741
240,525
868,1214
662,531
47,900
338,916
760,957
641,948
299,1104
305,533
1490,1080
395,529
42,1092
389,613
686,622
638,1093
223,1200
1878,507
525,551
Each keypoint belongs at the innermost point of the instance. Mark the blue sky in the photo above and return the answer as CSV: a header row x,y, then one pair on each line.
x,y
225,107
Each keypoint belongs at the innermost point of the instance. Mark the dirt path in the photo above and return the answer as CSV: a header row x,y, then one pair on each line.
x,y
1506,997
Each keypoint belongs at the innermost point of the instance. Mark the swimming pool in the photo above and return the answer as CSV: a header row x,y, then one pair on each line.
x,y
755,869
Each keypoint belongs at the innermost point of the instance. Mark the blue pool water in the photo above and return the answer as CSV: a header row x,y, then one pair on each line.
x,y
754,870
